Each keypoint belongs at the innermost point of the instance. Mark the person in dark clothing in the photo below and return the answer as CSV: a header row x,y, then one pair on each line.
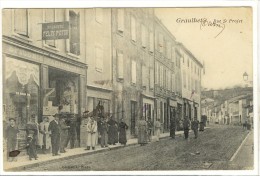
x,y
172,127
194,127
54,128
64,134
103,129
122,127
71,132
149,129
32,129
186,127
112,131
11,138
31,147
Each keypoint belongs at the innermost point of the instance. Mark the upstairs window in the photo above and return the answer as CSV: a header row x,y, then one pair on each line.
x,y
133,72
74,19
151,43
151,74
161,43
144,36
120,20
99,15
99,58
21,22
133,29
120,65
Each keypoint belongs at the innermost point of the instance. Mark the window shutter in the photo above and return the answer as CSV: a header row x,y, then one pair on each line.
x,y
120,20
156,73
134,71
120,66
99,59
160,42
74,32
143,36
151,47
144,74
99,15
21,21
151,78
133,28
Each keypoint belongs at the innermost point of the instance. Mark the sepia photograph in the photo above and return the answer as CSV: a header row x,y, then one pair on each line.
x,y
127,89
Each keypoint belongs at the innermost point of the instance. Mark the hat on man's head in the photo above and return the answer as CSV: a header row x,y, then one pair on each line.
x,y
12,119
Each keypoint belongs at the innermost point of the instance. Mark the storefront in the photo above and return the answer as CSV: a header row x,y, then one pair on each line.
x,y
148,109
37,82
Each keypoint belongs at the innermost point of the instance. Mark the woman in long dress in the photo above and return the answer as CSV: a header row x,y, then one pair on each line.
x,y
112,131
122,127
142,132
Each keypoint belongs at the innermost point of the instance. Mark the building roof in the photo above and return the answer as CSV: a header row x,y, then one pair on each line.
x,y
189,52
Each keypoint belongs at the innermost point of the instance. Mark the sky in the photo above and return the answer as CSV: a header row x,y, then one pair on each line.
x,y
227,54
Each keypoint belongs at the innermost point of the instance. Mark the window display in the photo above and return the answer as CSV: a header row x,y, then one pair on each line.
x,y
21,90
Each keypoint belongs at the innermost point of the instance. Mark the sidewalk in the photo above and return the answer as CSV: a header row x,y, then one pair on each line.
x,y
24,163
244,158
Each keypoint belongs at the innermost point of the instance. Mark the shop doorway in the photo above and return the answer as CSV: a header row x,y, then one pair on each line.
x,y
63,91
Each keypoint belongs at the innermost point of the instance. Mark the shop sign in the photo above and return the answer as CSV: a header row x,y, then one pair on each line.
x,y
56,30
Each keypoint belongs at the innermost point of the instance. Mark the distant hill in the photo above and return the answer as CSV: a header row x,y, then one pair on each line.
x,y
226,94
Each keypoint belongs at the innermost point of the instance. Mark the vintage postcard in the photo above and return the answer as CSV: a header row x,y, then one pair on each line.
x,y
128,89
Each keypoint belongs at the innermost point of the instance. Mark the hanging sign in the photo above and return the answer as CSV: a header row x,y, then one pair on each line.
x,y
56,30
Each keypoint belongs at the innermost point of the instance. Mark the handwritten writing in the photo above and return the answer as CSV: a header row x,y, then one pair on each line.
x,y
210,23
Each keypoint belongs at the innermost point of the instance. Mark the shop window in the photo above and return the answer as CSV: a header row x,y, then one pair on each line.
x,y
21,22
49,15
120,65
143,36
133,29
99,58
133,72
99,15
151,43
74,44
21,89
120,20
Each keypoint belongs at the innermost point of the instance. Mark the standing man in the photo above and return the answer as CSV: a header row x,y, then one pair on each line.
x,y
157,130
54,129
172,127
71,122
150,127
11,138
91,130
186,127
44,137
64,134
194,127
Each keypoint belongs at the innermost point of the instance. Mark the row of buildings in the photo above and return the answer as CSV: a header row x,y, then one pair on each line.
x,y
236,109
122,58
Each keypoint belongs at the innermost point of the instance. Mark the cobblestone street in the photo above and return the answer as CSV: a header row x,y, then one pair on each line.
x,y
211,150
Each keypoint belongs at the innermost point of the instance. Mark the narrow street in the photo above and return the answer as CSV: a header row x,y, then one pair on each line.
x,y
213,149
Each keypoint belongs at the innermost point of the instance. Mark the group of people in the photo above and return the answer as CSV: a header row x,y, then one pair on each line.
x,y
59,132
187,125
145,131
107,129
